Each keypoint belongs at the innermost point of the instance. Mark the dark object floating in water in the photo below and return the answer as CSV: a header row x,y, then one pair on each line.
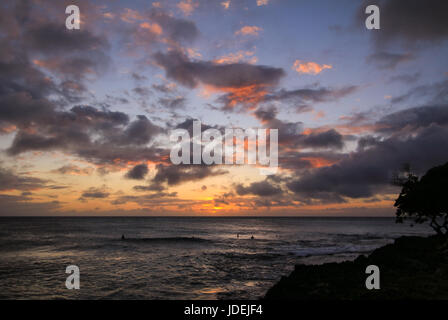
x,y
122,237
252,238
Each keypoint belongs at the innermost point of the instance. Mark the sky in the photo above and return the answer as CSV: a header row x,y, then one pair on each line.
x,y
86,115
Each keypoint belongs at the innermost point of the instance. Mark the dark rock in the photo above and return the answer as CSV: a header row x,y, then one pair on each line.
x,y
410,268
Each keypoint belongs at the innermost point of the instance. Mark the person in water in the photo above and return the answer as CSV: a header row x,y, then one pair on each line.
x,y
122,237
252,238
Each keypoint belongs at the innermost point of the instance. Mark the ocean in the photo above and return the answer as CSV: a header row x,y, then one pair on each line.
x,y
177,257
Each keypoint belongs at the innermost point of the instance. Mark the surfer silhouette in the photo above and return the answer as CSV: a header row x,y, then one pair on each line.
x,y
122,237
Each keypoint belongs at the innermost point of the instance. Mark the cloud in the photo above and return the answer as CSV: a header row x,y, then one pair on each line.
x,y
174,175
152,27
240,56
150,200
310,67
261,189
410,22
225,4
249,31
266,115
187,6
74,55
130,15
95,193
326,139
406,78
138,172
11,181
368,172
139,132
435,93
178,30
300,161
292,135
409,120
235,75
74,170
387,60
242,84
42,127
173,103
50,38
302,98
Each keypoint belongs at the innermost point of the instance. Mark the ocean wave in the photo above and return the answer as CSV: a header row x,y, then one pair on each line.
x,y
324,251
167,240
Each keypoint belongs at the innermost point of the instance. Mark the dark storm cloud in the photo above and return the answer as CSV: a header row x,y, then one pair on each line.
x,y
436,93
176,29
189,73
414,118
173,103
21,110
174,175
113,154
95,193
288,132
152,30
18,75
326,139
291,133
91,114
368,171
162,88
405,78
388,60
32,41
409,21
266,114
71,131
261,189
138,77
138,172
24,142
139,132
37,43
51,38
35,106
76,68
300,161
66,130
187,124
142,91
73,169
303,98
67,53
11,181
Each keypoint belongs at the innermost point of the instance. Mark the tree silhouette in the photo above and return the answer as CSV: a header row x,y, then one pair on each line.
x,y
424,199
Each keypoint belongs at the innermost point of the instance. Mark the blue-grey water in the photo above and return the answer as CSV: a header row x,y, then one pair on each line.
x,y
175,258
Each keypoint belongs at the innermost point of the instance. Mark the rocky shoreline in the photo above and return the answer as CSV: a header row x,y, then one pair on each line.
x,y
410,268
